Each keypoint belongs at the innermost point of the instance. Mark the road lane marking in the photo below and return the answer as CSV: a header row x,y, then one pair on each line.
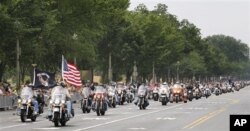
x,y
208,117
192,108
94,118
12,126
36,122
50,128
126,118
165,118
211,114
200,119
141,128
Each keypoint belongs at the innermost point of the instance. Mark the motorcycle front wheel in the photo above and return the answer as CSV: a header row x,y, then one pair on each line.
x,y
56,119
23,116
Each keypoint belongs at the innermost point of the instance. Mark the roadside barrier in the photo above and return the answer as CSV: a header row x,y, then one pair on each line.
x,y
7,102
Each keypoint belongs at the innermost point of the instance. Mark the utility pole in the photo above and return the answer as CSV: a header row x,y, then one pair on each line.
x,y
75,61
177,79
110,69
154,72
135,72
17,63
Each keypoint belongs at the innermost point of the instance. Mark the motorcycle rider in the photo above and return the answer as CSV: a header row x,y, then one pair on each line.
x,y
68,98
32,96
40,99
88,89
146,94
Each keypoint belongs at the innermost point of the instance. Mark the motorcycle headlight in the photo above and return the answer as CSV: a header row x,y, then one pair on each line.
x,y
29,100
98,96
19,100
57,101
50,102
63,101
24,101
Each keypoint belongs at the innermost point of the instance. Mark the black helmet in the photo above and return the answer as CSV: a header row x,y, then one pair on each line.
x,y
62,84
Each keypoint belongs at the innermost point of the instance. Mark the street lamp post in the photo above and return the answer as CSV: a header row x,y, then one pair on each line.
x,y
178,63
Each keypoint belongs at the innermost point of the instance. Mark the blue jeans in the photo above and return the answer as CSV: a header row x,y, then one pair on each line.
x,y
35,103
69,107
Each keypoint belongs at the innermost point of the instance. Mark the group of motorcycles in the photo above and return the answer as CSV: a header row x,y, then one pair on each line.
x,y
183,92
99,98
106,96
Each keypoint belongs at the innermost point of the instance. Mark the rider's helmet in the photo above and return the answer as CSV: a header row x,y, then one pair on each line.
x,y
62,83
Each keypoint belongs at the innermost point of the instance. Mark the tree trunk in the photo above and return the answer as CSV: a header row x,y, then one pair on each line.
x,y
2,69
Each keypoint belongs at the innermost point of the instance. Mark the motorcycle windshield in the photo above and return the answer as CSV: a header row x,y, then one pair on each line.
x,y
99,89
26,93
58,92
142,90
111,89
86,92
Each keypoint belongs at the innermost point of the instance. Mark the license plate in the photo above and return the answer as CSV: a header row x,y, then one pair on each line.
x,y
22,107
56,109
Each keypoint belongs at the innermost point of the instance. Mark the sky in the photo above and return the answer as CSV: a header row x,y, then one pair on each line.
x,y
228,17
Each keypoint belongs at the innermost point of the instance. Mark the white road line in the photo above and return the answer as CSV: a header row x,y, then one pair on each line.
x,y
137,128
12,126
36,122
94,118
126,118
165,118
51,128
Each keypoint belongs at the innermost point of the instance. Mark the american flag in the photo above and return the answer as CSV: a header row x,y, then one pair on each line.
x,y
70,74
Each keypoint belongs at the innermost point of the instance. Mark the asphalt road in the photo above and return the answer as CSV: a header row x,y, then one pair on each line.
x,y
210,114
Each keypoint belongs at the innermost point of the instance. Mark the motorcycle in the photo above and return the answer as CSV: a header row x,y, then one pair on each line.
x,y
190,94
237,87
25,105
121,94
207,92
217,91
177,94
86,101
59,107
155,94
142,104
130,95
163,95
197,93
112,97
26,109
99,101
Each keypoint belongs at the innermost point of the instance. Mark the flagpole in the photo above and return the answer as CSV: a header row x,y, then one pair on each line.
x,y
62,68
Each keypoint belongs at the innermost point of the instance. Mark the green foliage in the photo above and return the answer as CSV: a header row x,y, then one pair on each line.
x,y
89,30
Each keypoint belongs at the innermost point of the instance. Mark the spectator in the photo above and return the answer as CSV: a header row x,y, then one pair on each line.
x,y
2,92
6,87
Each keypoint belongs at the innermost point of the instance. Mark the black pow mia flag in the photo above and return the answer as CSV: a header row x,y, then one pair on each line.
x,y
43,79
